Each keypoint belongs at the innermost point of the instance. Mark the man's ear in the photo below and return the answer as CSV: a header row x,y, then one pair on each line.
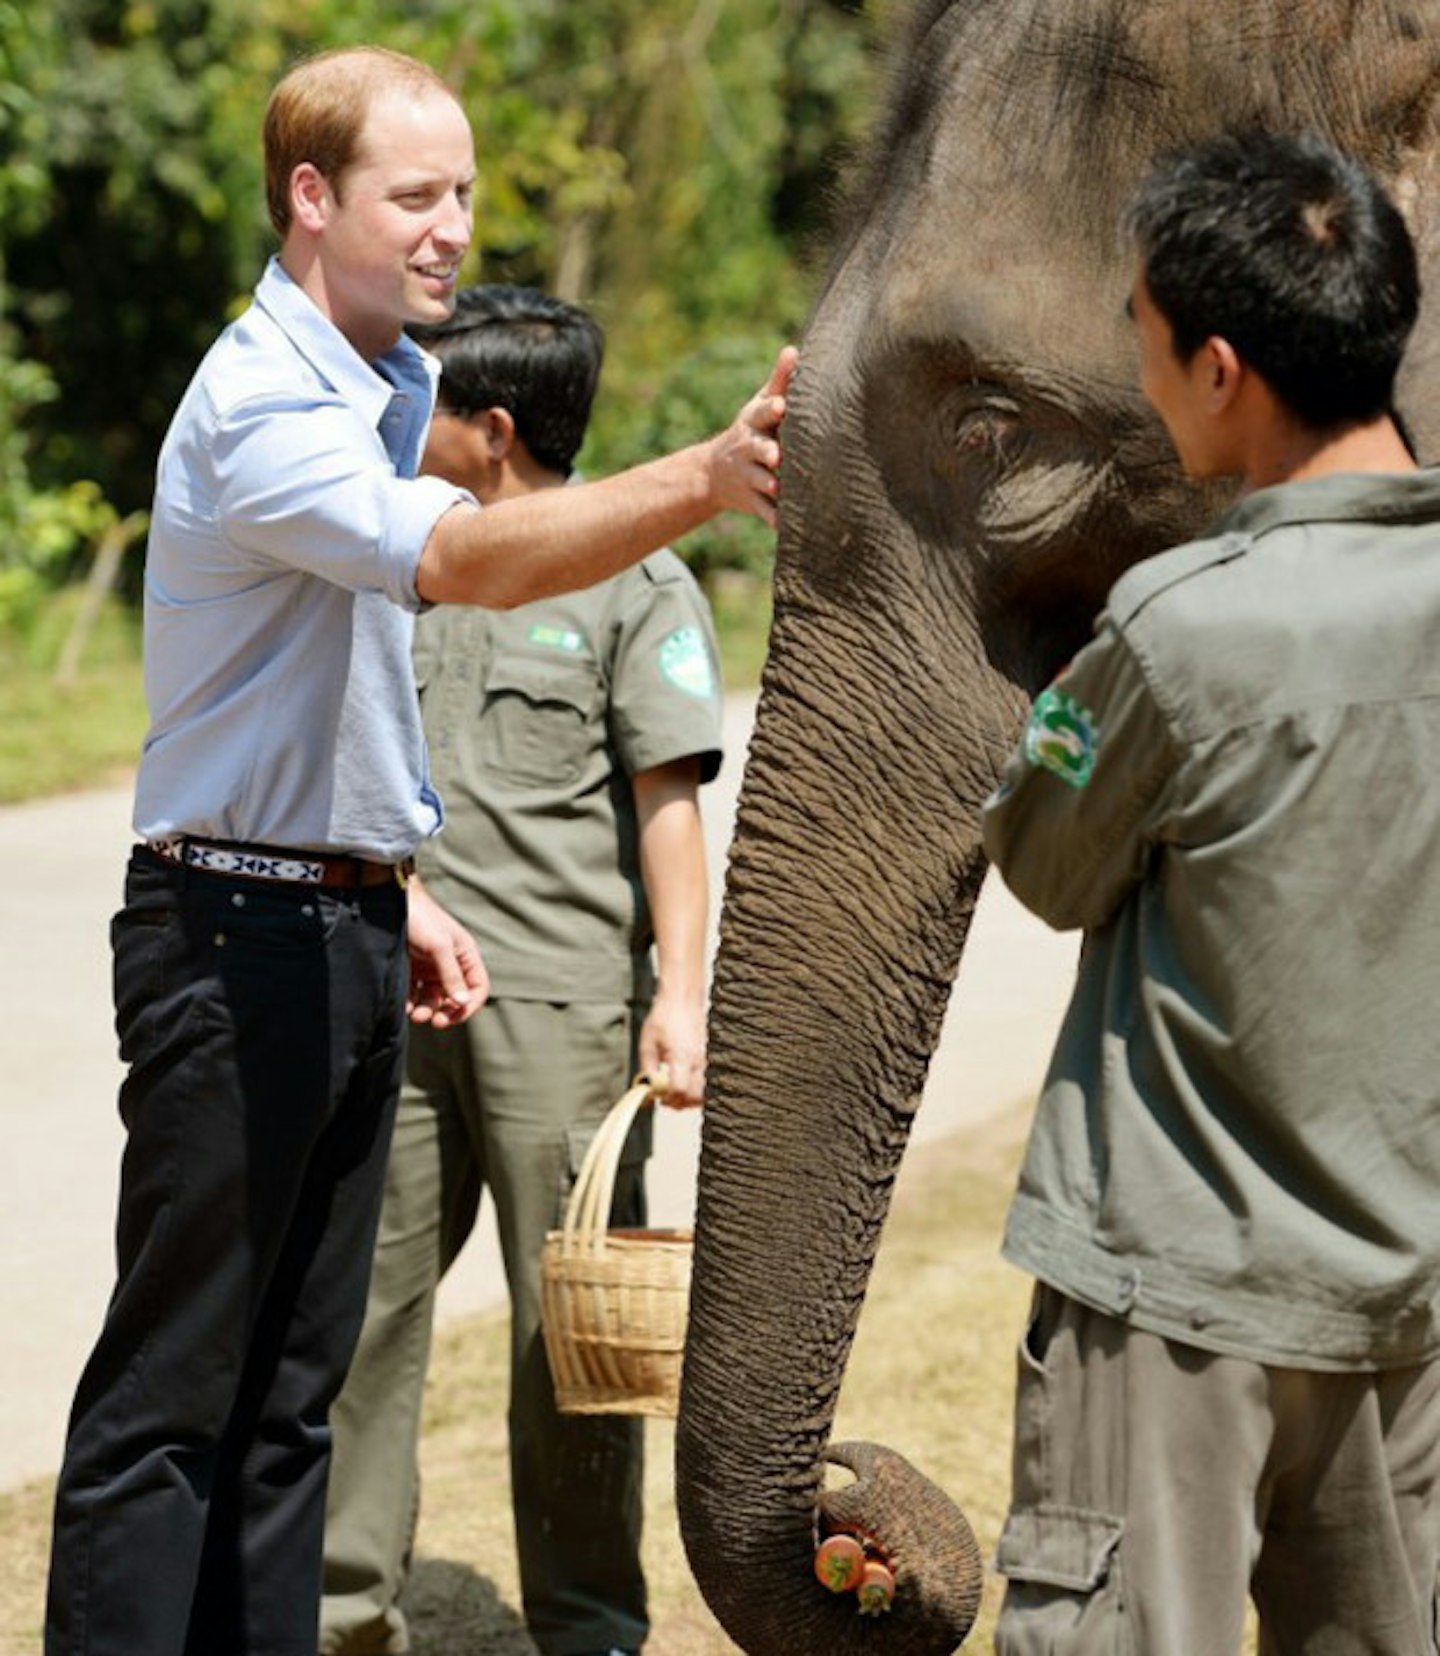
x,y
1223,371
498,427
310,196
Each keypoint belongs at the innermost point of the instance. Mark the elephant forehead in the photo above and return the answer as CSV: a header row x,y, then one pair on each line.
x,y
999,221
994,220
1014,291
996,253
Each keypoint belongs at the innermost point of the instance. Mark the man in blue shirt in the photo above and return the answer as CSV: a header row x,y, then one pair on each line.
x,y
269,948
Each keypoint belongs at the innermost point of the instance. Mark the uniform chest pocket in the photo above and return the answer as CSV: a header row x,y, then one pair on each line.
x,y
537,721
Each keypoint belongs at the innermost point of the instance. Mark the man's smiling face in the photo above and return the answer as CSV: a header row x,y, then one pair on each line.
x,y
400,219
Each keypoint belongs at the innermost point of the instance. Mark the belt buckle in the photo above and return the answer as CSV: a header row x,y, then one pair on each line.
x,y
404,872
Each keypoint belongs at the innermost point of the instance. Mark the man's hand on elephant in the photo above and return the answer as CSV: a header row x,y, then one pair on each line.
x,y
448,980
745,457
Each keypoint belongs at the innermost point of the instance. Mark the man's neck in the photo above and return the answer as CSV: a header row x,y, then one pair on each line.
x,y
522,475
370,337
1298,452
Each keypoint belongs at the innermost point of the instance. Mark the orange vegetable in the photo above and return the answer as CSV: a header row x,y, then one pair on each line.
x,y
876,1589
840,1563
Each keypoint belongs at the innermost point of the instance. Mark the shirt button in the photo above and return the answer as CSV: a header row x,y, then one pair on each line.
x,y
1201,1317
238,899
1129,1289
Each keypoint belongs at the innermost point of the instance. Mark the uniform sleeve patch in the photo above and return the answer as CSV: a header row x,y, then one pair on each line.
x,y
1062,737
685,662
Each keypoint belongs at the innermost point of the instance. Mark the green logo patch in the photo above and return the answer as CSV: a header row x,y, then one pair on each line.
x,y
556,638
685,662
1062,737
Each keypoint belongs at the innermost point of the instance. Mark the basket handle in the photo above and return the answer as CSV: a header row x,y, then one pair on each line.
x,y
587,1213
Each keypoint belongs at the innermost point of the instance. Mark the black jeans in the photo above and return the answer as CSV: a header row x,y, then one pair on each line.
x,y
263,1029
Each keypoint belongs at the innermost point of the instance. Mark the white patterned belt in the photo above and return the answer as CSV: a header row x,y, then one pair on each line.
x,y
263,862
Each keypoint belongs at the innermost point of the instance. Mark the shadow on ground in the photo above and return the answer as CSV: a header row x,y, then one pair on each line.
x,y
450,1607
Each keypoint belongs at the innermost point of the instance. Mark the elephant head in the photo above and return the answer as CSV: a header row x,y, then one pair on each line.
x,y
968,467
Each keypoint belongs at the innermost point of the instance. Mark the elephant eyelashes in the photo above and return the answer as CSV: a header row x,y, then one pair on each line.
x,y
988,431
980,436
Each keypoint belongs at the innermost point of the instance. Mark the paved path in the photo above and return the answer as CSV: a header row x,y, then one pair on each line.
x,y
58,1075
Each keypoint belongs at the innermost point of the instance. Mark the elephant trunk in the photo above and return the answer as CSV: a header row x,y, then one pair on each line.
x,y
840,938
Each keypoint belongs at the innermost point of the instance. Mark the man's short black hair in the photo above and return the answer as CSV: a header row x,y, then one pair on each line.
x,y
1291,250
533,355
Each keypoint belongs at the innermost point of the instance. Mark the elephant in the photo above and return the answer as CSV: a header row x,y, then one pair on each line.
x,y
968,467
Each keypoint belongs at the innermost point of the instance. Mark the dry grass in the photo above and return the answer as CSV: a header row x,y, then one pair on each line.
x,y
55,738
84,734
931,1376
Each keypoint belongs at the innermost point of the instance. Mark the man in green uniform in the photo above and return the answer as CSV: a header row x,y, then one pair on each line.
x,y
1231,1195
568,738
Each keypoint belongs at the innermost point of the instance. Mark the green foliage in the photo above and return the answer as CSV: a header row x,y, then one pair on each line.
x,y
675,404
666,162
47,529
41,530
53,736
30,52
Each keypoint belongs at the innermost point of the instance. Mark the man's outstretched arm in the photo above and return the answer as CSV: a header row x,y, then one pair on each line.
x,y
559,540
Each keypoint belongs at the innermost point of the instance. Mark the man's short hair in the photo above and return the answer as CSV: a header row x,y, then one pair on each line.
x,y
1291,250
316,114
533,355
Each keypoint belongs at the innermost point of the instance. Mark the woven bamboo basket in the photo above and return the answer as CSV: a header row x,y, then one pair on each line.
x,y
613,1302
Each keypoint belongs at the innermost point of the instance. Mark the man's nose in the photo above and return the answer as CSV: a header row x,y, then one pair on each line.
x,y
455,225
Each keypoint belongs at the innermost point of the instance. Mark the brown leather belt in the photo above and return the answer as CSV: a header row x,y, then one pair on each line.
x,y
281,867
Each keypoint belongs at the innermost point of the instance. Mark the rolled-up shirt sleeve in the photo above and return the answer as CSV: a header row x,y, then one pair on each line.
x,y
298,486
1082,802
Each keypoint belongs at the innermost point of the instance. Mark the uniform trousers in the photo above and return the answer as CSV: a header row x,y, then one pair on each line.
x,y
1157,1486
508,1101
262,1027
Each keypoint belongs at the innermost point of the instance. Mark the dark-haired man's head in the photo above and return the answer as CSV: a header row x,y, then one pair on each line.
x,y
519,350
1291,252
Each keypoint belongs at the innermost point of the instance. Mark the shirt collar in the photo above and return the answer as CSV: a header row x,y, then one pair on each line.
x,y
1379,497
368,387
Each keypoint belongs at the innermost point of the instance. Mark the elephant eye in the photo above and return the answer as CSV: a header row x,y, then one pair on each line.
x,y
988,430
983,425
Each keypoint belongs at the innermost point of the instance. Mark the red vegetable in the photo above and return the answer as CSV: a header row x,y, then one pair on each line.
x,y
840,1563
876,1589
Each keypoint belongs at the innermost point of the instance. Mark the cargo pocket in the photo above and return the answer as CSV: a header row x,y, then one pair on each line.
x,y
1064,1595
535,721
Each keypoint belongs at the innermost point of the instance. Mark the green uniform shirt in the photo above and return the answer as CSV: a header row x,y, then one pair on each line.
x,y
536,719
1235,790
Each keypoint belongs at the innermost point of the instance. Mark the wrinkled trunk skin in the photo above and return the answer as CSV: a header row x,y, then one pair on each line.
x,y
968,467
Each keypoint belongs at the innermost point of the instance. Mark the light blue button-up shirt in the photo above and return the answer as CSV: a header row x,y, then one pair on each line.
x,y
280,591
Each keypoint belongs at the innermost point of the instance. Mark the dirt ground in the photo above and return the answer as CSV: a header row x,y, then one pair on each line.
x,y
940,1398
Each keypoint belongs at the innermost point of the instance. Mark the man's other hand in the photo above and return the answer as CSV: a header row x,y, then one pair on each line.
x,y
448,980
